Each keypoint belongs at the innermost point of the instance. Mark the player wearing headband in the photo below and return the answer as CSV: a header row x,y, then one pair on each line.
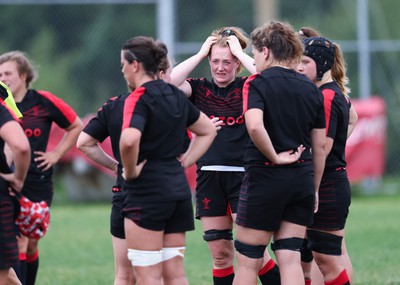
x,y
323,63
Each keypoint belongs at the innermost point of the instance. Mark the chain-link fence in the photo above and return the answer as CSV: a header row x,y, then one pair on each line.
x,y
76,47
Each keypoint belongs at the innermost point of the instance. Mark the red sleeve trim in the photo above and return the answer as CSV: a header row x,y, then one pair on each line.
x,y
245,92
64,108
189,133
328,99
130,104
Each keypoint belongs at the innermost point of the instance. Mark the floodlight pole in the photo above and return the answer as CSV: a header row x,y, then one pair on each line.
x,y
363,43
165,24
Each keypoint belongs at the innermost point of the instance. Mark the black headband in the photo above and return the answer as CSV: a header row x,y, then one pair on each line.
x,y
227,33
130,56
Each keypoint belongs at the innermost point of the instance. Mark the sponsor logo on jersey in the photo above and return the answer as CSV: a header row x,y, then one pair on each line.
x,y
230,121
33,132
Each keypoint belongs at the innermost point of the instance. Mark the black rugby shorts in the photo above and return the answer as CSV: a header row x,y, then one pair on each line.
x,y
334,202
116,218
269,196
167,216
9,256
217,193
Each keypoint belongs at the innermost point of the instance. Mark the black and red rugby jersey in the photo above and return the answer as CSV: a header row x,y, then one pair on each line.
x,y
227,104
337,107
108,123
40,109
162,113
292,107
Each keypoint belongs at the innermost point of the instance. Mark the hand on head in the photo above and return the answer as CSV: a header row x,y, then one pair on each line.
x,y
234,45
206,47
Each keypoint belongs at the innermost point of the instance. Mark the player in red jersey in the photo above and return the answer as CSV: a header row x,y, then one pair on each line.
x,y
323,63
40,109
157,208
285,109
108,123
220,170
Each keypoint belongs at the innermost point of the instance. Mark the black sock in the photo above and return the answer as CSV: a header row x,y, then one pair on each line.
x,y
269,274
32,265
21,271
223,276
17,270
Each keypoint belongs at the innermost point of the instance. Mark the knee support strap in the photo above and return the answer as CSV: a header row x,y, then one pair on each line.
x,y
251,251
211,235
325,243
294,244
171,252
144,257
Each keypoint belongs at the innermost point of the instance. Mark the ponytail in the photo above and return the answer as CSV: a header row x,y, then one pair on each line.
x,y
338,71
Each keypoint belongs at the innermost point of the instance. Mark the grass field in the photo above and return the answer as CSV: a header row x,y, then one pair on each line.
x,y
77,248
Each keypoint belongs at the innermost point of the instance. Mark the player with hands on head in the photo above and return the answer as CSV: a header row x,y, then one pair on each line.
x,y
40,109
323,63
216,99
157,207
12,134
220,170
282,109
